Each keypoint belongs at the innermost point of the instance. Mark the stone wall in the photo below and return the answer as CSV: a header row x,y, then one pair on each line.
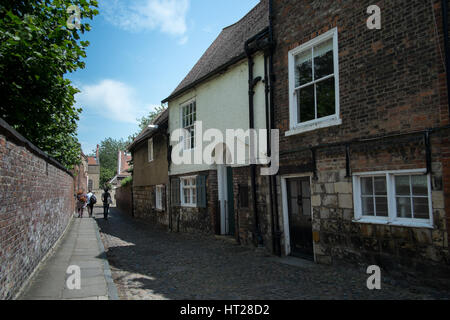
x,y
199,220
123,199
145,208
36,204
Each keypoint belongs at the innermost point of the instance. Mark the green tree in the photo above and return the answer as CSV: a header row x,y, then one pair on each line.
x,y
108,158
37,48
145,121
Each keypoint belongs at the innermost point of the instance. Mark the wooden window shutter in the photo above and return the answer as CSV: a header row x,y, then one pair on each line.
x,y
201,191
175,191
163,197
154,198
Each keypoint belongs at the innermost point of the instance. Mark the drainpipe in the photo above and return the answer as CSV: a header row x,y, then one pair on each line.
x,y
273,185
447,47
132,189
251,92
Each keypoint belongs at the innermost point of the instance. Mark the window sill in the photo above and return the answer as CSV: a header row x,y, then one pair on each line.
x,y
395,223
319,124
188,206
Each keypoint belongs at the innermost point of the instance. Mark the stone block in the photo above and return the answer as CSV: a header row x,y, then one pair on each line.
x,y
316,201
438,199
345,201
330,201
343,187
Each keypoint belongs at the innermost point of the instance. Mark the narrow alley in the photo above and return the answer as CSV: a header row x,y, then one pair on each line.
x,y
151,263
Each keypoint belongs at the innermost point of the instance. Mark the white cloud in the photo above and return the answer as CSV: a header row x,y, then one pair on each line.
x,y
113,100
168,16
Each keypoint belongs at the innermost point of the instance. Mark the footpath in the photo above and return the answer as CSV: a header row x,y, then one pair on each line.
x,y
82,250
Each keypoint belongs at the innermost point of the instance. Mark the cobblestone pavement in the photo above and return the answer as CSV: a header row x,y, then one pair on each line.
x,y
150,263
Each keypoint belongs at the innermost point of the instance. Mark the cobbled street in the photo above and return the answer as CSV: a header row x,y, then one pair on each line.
x,y
151,263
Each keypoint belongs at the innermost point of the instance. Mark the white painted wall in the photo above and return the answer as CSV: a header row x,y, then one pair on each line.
x,y
222,103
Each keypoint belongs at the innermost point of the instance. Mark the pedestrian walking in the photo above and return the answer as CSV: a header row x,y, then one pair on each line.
x,y
81,203
106,198
91,201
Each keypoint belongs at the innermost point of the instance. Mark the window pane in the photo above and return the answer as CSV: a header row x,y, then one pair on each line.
x,y
402,185
366,186
367,206
323,59
303,68
380,185
306,105
326,98
421,209
404,207
419,185
381,206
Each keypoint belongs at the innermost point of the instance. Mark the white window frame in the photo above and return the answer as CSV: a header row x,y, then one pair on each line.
x,y
183,138
332,120
193,202
150,150
392,218
159,196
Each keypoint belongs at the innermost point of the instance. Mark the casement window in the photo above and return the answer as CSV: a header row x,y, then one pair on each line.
x,y
394,197
188,118
159,197
314,84
150,150
189,191
90,184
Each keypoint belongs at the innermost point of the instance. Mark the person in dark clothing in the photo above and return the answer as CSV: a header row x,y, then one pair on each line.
x,y
106,198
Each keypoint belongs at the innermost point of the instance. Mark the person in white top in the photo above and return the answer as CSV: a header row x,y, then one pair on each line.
x,y
90,203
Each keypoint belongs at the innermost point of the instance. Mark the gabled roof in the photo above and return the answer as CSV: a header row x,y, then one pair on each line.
x,y
228,47
161,121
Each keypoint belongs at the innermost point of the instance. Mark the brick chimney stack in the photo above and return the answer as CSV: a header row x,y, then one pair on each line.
x,y
97,154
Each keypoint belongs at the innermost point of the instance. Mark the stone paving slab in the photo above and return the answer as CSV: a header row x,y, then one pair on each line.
x,y
81,246
150,263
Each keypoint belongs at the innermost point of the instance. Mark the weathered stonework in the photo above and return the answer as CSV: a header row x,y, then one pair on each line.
x,y
145,208
198,220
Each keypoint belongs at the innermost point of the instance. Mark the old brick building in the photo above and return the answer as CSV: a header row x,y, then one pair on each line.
x,y
150,172
363,116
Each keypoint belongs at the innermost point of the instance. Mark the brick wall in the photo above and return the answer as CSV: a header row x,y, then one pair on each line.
x,y
123,199
36,204
391,81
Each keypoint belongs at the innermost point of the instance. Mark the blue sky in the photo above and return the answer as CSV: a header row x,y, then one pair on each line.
x,y
140,50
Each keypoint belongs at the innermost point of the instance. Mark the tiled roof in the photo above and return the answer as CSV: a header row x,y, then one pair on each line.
x,y
92,161
160,120
229,45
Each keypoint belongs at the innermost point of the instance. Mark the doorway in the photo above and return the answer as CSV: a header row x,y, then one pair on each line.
x,y
226,199
298,213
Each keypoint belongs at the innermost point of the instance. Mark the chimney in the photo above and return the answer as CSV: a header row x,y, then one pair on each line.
x,y
97,155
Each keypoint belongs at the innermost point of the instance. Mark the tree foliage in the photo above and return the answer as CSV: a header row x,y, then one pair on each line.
x,y
108,153
145,121
36,51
